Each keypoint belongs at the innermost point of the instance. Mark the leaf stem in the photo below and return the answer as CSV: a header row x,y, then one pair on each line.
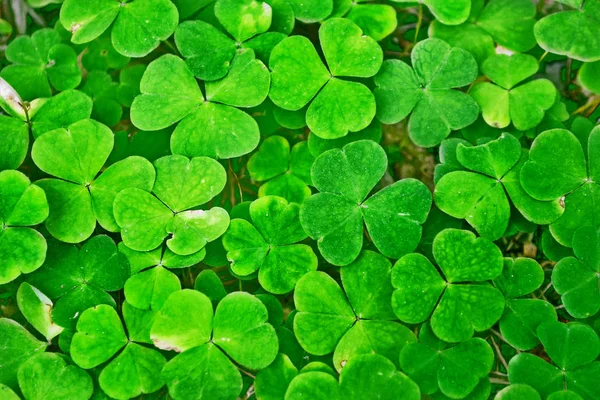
x,y
498,381
419,22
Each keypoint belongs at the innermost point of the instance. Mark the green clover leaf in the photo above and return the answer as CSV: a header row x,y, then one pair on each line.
x,y
316,385
103,91
139,25
36,307
181,186
461,303
455,371
518,391
129,84
7,393
170,94
99,337
359,321
447,12
269,244
37,62
426,90
295,64
376,20
589,76
102,56
334,217
319,146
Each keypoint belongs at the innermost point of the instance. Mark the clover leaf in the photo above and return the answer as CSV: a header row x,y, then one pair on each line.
x,y
79,197
447,12
7,393
556,170
139,25
589,76
103,91
426,90
359,321
170,94
37,62
334,217
102,56
287,173
518,391
573,348
238,330
22,205
571,33
459,304
315,385
129,84
453,370
502,101
181,185
480,194
294,63
99,337
36,307
269,245
376,20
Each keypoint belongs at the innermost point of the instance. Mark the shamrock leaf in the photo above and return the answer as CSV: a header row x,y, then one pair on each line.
x,y
481,193
238,330
47,376
310,11
447,12
295,64
577,279
37,62
376,20
181,185
520,277
78,279
556,170
572,33
518,391
426,90
316,385
22,205
36,307
589,76
170,94
318,145
269,245
272,382
334,217
287,173
356,322
99,337
102,56
461,303
139,25
103,91
502,102
454,371
573,348
78,198
129,83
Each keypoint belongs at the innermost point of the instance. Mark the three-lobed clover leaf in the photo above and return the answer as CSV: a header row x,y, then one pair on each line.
x,y
452,370
353,321
503,102
38,62
182,185
287,173
238,330
269,245
139,25
478,181
459,303
299,77
22,205
558,169
79,197
99,337
334,217
426,91
170,95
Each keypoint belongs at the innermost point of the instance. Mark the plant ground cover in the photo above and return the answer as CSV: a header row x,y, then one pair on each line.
x,y
300,199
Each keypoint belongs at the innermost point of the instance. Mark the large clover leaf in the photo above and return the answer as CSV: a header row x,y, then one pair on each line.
x,y
460,304
572,33
78,198
359,321
139,25
295,64
238,330
573,348
455,371
181,186
334,217
22,205
269,245
79,279
99,337
503,102
557,170
37,62
426,90
171,94
480,194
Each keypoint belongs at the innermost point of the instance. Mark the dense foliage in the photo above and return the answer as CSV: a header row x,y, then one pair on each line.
x,y
300,199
